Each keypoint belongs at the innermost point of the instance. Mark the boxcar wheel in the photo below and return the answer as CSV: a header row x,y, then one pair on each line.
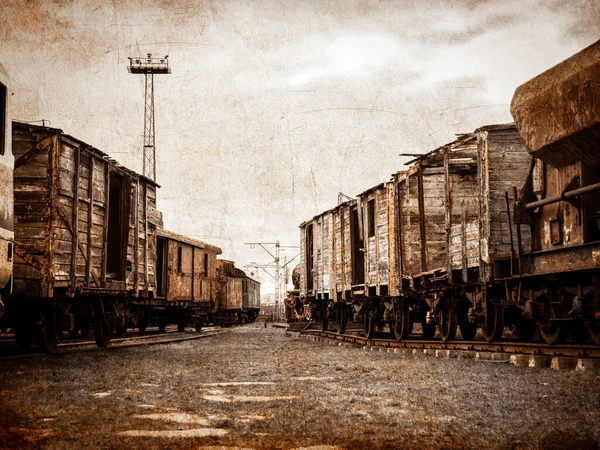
x,y
448,322
101,330
402,326
594,331
342,318
24,337
47,338
324,316
553,333
493,326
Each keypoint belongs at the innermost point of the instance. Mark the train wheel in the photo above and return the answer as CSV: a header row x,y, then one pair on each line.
x,y
593,329
553,333
142,322
101,326
47,338
493,326
525,329
370,325
342,318
324,316
448,323
24,337
402,323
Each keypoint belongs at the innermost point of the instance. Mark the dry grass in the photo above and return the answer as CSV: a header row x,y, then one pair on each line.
x,y
290,393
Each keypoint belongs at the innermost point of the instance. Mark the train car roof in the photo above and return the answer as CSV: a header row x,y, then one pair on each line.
x,y
87,146
558,111
328,211
188,240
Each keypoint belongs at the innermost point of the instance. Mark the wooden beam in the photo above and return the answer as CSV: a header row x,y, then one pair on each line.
x,y
28,156
65,215
422,219
88,263
75,216
136,241
106,208
448,213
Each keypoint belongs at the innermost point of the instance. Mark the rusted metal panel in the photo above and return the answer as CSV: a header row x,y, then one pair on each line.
x,y
558,112
191,270
179,271
566,259
251,294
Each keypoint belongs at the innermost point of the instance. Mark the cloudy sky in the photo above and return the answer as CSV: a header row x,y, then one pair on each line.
x,y
273,107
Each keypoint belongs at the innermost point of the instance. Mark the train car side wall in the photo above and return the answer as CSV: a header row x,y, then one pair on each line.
x,y
190,275
6,190
376,219
35,151
251,294
503,162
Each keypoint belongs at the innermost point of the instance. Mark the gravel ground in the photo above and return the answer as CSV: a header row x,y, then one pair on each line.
x,y
264,388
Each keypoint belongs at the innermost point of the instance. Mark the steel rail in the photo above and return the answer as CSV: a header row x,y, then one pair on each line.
x,y
508,347
127,342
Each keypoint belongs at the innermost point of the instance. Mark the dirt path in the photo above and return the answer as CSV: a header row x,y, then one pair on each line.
x,y
262,388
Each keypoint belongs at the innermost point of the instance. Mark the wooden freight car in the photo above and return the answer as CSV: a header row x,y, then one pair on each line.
x,y
558,115
432,246
331,262
238,295
454,234
85,237
186,283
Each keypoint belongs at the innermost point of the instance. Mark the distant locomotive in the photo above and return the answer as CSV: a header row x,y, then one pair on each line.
x,y
480,233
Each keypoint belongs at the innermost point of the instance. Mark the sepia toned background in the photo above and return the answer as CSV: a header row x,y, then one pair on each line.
x,y
273,107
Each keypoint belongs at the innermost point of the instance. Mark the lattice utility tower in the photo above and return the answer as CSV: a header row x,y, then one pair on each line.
x,y
149,66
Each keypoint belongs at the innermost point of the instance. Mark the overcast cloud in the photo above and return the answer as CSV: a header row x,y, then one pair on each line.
x,y
273,107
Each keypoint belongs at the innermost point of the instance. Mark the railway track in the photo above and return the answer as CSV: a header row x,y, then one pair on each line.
x,y
535,354
9,351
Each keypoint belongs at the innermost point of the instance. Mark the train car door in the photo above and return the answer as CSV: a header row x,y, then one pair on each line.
x,y
116,247
358,253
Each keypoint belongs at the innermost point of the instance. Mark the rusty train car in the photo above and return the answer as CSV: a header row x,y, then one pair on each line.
x,y
89,248
238,295
186,283
495,229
